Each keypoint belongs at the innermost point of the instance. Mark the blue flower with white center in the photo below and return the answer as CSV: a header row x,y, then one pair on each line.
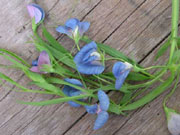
x,y
88,60
121,71
74,28
100,109
70,91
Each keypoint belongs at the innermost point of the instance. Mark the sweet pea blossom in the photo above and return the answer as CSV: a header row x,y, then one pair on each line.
x,y
173,119
88,60
43,59
100,110
70,91
74,28
121,71
35,11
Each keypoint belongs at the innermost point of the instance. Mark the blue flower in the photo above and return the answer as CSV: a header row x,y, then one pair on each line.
x,y
121,71
36,11
100,109
70,91
88,60
74,28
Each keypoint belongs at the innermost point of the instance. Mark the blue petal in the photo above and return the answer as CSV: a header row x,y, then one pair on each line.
x,y
83,27
120,80
73,104
35,63
118,69
87,64
66,90
74,92
101,120
92,109
83,52
73,81
72,23
104,100
90,69
64,30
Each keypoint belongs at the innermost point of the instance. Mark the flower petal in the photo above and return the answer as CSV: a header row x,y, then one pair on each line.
x,y
72,23
174,124
86,63
120,80
36,11
83,52
90,69
83,27
44,59
35,69
104,100
73,104
91,109
118,69
64,30
73,81
101,120
35,63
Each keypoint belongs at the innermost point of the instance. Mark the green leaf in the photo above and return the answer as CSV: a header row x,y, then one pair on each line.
x,y
134,76
14,56
18,64
4,77
150,96
53,42
163,48
49,87
34,76
53,101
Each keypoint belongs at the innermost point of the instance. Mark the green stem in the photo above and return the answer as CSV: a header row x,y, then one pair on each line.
x,y
174,27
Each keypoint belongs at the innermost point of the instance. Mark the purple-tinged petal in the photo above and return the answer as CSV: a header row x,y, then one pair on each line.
x,y
74,104
118,69
92,109
64,30
44,59
72,23
36,11
120,80
103,100
35,69
101,120
83,27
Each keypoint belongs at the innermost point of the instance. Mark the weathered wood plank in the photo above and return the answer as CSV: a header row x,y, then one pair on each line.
x,y
54,124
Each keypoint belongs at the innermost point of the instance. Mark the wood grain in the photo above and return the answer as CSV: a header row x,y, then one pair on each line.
x,y
135,27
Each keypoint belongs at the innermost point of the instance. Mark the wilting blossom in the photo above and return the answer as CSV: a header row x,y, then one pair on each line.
x,y
35,11
173,119
121,71
100,110
88,60
74,28
70,91
43,59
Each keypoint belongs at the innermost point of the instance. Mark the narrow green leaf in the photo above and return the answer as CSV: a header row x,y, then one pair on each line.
x,y
14,56
53,101
163,48
4,77
53,42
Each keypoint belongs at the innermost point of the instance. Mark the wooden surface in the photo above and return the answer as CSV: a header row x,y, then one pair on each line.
x,y
135,27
